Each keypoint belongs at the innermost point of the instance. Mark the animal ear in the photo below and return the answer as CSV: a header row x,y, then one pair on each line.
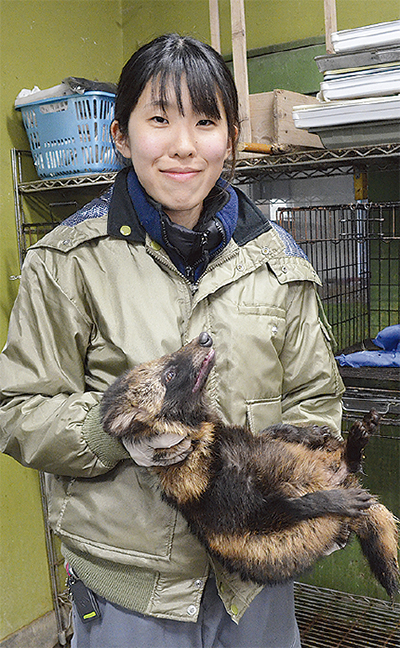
x,y
124,422
120,414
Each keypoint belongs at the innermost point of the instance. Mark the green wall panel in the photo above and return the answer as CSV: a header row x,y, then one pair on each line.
x,y
41,42
293,69
288,67
24,581
268,22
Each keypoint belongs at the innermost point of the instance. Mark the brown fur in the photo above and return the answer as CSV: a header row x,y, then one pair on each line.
x,y
266,506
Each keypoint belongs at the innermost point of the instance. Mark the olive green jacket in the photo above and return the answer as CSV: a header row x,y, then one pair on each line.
x,y
90,306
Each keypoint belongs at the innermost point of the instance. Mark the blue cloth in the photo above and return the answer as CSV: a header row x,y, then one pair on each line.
x,y
388,340
370,359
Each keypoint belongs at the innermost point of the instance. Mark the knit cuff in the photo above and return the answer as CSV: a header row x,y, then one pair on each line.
x,y
108,449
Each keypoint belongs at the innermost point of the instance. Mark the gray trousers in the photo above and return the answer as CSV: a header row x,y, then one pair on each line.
x,y
269,622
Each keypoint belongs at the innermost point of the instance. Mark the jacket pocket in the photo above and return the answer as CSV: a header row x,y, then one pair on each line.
x,y
260,309
261,413
121,513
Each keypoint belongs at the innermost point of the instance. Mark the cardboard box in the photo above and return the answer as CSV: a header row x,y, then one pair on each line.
x,y
272,121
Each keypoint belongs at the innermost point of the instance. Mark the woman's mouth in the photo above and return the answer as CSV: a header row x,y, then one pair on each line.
x,y
181,175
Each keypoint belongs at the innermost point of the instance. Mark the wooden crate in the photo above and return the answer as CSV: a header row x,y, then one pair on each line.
x,y
266,118
272,122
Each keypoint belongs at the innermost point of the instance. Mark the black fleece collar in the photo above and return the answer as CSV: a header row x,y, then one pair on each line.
x,y
123,222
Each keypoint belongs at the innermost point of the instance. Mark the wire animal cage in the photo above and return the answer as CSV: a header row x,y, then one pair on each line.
x,y
356,251
332,619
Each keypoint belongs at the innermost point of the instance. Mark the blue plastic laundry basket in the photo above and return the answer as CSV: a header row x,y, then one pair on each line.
x,y
70,135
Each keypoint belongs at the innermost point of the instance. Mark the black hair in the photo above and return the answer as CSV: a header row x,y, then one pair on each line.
x,y
168,58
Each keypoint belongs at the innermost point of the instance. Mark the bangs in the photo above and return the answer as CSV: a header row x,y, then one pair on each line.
x,y
196,75
170,61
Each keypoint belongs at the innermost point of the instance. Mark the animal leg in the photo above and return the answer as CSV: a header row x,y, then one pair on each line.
x,y
280,512
346,502
358,438
377,533
314,437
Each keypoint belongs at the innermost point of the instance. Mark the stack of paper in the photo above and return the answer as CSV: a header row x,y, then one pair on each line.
x,y
378,35
364,67
373,82
366,63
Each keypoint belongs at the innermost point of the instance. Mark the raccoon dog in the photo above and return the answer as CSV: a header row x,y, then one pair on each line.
x,y
265,506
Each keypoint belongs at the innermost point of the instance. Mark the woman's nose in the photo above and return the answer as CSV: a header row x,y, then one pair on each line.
x,y
183,142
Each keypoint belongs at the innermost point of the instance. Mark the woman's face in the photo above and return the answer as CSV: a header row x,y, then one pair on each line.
x,y
177,157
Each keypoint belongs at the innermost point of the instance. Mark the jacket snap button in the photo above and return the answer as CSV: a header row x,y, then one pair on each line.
x,y
125,230
198,583
191,610
240,267
265,250
66,242
284,269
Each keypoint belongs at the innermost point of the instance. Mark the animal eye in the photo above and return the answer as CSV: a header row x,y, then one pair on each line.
x,y
169,375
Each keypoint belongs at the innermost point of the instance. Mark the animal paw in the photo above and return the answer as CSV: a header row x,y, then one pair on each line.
x,y
358,438
354,501
371,421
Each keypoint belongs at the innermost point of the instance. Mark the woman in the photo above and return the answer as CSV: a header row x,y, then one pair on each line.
x,y
171,250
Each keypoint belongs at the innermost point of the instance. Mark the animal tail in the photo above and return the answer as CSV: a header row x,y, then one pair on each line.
x,y
378,536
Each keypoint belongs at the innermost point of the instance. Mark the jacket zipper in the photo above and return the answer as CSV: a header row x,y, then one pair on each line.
x,y
194,286
171,266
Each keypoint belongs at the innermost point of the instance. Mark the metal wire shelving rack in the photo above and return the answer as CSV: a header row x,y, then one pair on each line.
x,y
332,619
316,163
249,170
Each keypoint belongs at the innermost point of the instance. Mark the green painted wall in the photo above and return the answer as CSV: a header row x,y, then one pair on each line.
x,y
299,24
384,185
41,42
268,21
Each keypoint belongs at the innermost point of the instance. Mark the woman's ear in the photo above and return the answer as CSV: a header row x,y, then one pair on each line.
x,y
121,141
232,143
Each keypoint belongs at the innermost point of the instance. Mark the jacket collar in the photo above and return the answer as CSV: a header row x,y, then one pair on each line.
x,y
124,222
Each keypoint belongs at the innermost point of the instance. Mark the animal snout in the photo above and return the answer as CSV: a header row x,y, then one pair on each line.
x,y
205,340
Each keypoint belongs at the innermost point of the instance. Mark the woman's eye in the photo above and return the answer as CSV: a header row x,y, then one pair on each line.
x,y
158,119
169,375
206,122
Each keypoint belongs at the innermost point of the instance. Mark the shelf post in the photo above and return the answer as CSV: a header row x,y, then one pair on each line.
x,y
330,23
239,52
214,25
